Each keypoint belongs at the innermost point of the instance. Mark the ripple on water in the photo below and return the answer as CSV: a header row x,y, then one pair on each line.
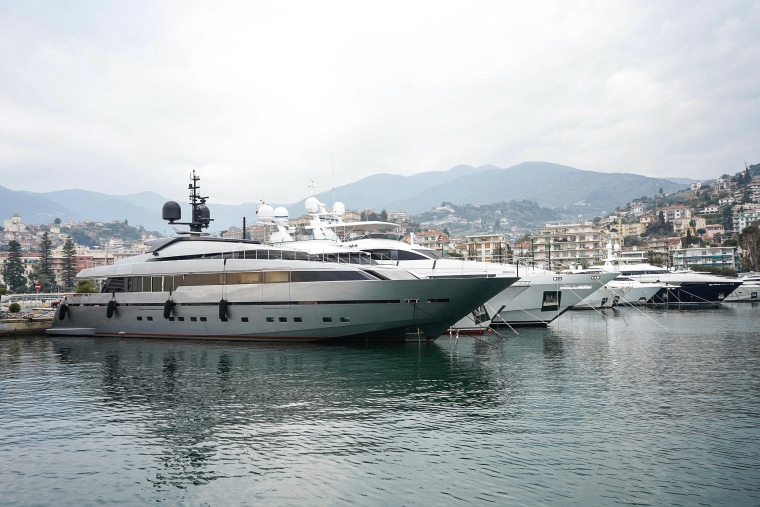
x,y
649,408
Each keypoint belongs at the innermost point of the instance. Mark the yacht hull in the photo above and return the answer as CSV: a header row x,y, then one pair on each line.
x,y
363,311
547,297
695,293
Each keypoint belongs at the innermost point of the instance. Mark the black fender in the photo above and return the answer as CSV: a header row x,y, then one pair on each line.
x,y
168,307
222,309
63,309
111,309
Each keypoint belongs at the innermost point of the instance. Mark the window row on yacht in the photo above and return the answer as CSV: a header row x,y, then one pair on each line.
x,y
167,283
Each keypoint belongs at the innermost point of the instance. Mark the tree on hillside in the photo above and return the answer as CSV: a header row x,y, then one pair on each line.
x,y
69,263
727,217
13,269
44,271
749,241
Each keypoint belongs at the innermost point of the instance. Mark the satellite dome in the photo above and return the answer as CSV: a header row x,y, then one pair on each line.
x,y
202,215
171,211
265,211
339,208
280,212
312,205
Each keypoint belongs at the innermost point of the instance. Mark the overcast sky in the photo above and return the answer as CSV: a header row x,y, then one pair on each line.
x,y
261,97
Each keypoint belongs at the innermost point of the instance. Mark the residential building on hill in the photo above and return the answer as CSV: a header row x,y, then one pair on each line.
x,y
484,247
635,229
565,245
671,213
14,223
745,215
717,257
754,186
713,229
432,239
683,225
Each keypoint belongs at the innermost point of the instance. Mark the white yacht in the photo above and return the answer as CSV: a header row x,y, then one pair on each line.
x,y
676,287
198,287
543,295
620,291
318,238
749,290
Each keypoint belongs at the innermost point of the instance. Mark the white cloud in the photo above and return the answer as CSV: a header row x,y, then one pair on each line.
x,y
260,97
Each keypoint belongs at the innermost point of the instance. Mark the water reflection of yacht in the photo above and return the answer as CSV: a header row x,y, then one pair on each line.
x,y
195,403
543,295
196,286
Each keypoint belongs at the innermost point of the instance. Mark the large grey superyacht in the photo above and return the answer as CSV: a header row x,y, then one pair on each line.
x,y
194,286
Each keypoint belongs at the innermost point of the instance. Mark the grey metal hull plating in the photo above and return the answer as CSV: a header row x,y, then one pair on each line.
x,y
367,310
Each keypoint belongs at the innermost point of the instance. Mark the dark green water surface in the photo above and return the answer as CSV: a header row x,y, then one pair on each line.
x,y
630,408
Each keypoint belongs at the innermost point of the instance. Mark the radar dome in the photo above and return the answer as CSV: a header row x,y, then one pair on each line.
x,y
202,215
266,211
312,205
171,211
339,208
280,212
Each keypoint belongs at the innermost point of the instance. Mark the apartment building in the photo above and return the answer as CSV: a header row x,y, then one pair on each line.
x,y
718,257
683,225
631,229
671,213
745,215
713,230
483,247
563,245
432,239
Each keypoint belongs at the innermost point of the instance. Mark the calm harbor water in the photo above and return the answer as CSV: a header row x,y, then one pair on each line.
x,y
634,407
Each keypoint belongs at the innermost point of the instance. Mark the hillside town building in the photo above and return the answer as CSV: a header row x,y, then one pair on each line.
x,y
716,257
744,215
566,245
486,247
433,239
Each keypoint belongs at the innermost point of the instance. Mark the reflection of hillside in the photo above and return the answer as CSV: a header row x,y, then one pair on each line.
x,y
204,402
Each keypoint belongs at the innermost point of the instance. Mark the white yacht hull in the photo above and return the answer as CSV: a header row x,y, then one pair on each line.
x,y
548,297
744,293
382,310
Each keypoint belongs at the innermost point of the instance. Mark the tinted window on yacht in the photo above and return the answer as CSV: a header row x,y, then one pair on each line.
x,y
430,254
343,257
551,301
328,276
114,285
169,283
387,254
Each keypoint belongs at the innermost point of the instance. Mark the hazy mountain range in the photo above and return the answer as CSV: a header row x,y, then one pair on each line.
x,y
554,186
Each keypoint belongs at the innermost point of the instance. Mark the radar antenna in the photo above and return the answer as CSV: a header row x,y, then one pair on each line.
x,y
201,216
